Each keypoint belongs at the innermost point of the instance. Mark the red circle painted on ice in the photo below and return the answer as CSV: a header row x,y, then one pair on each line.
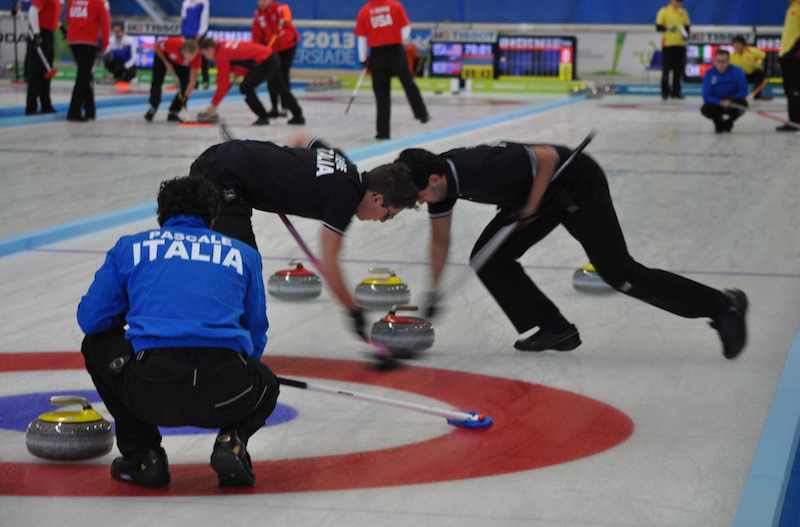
x,y
535,426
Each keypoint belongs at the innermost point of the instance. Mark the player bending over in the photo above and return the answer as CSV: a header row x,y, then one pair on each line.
x,y
522,187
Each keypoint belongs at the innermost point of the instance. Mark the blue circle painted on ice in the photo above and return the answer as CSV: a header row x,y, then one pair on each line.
x,y
16,411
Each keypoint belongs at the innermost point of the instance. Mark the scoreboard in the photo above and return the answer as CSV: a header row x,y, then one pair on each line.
x,y
471,55
535,56
462,59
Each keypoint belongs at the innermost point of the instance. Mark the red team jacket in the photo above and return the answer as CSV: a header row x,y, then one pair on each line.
x,y
236,57
49,13
381,21
171,48
88,22
275,21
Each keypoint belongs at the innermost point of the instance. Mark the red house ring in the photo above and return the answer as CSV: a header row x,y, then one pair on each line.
x,y
535,426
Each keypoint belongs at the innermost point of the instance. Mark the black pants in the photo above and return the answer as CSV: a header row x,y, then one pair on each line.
x,y
38,86
790,67
596,227
204,65
234,218
723,116
673,61
386,62
208,388
117,68
159,72
270,71
82,103
287,58
756,78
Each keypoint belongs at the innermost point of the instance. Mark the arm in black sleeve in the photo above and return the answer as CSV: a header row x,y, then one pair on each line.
x,y
661,28
794,52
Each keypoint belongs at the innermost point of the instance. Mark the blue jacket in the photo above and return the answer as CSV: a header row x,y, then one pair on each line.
x,y
194,18
180,286
729,85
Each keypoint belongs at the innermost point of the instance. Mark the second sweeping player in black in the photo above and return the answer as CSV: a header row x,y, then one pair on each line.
x,y
517,179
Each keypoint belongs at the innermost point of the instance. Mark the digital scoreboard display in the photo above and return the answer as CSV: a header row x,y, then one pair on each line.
x,y
536,56
462,59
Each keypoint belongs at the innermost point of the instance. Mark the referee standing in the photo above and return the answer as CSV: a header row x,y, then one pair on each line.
x,y
790,64
383,26
43,18
673,21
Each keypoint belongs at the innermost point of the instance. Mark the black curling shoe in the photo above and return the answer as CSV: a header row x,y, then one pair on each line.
x,y
148,468
543,340
731,324
231,461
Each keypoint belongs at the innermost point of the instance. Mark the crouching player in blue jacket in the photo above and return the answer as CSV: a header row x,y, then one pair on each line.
x,y
175,325
724,88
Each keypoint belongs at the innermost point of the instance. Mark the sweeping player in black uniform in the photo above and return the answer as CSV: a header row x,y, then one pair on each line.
x,y
315,181
520,185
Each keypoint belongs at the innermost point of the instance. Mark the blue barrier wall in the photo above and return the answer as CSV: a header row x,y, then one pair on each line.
x,y
718,12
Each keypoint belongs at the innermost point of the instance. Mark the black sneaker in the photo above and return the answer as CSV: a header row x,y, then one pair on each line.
x,y
731,324
261,121
380,137
542,340
425,118
275,113
787,128
47,110
173,117
297,119
231,461
150,114
148,468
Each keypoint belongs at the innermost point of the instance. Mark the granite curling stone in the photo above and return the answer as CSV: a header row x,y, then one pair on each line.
x,y
69,435
403,336
587,279
382,292
295,284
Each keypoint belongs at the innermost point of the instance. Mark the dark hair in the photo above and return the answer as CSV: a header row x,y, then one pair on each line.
x,y
740,39
395,183
723,52
422,164
207,43
189,196
118,23
189,46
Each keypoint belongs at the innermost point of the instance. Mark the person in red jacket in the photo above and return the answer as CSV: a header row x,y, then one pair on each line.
x,y
273,26
383,26
181,58
88,26
43,18
258,64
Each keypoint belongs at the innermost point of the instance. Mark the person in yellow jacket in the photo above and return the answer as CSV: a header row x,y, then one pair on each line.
x,y
790,63
673,21
751,60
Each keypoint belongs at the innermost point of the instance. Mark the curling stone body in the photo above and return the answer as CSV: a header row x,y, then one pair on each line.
x,y
295,284
383,292
70,435
402,335
586,279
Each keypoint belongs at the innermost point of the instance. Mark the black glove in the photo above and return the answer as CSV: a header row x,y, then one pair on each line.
x,y
358,322
37,40
430,304
367,63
